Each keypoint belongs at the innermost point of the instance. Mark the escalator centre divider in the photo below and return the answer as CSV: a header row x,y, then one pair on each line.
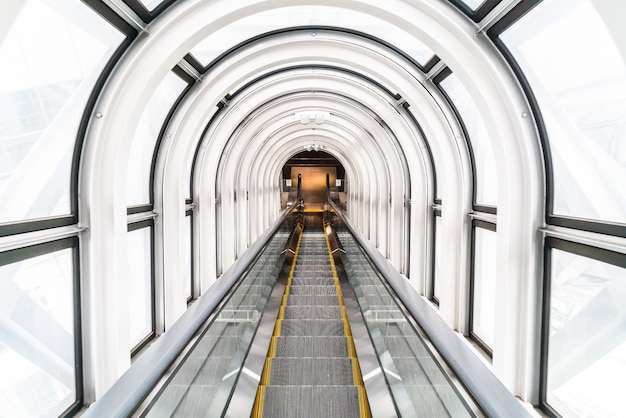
x,y
312,333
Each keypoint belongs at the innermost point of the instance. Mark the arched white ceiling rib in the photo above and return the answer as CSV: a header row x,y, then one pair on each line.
x,y
257,131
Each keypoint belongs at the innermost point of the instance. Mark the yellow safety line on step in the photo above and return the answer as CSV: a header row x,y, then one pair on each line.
x,y
257,410
356,369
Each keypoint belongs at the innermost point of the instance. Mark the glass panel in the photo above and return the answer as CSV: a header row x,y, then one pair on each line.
x,y
53,53
207,376
484,297
586,370
187,258
37,355
146,136
417,383
235,33
576,67
140,284
438,258
486,192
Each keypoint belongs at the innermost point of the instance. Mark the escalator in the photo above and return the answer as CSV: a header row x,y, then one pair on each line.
x,y
282,344
311,367
307,326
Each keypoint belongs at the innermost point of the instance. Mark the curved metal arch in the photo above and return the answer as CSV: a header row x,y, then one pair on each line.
x,y
233,169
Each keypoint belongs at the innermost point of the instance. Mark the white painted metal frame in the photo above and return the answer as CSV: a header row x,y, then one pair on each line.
x,y
451,36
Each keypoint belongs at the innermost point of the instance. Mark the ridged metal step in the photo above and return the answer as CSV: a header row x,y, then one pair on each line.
x,y
311,401
311,371
312,300
327,346
311,312
313,280
312,290
311,327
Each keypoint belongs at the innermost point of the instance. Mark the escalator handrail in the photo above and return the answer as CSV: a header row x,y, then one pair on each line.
x,y
127,393
489,392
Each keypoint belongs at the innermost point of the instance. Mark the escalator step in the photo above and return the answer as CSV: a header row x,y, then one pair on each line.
x,y
311,371
312,300
311,327
310,281
312,312
312,290
311,402
311,347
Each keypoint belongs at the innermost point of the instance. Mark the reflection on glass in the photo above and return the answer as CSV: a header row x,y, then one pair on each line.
x,y
140,284
486,192
37,336
484,295
248,27
579,79
438,258
418,385
202,385
146,136
586,370
53,52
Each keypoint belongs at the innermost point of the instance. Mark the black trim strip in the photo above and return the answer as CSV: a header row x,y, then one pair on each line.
x,y
431,64
481,11
22,227
111,16
133,210
511,17
146,223
148,15
180,72
20,254
583,250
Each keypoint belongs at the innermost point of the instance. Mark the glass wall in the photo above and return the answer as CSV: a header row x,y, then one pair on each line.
x,y
40,365
53,55
570,55
146,137
485,178
585,331
141,284
483,285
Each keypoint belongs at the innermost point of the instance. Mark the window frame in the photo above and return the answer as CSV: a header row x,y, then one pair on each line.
x,y
131,227
589,225
431,296
476,223
480,12
31,225
189,217
144,13
20,254
146,207
578,249
442,75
